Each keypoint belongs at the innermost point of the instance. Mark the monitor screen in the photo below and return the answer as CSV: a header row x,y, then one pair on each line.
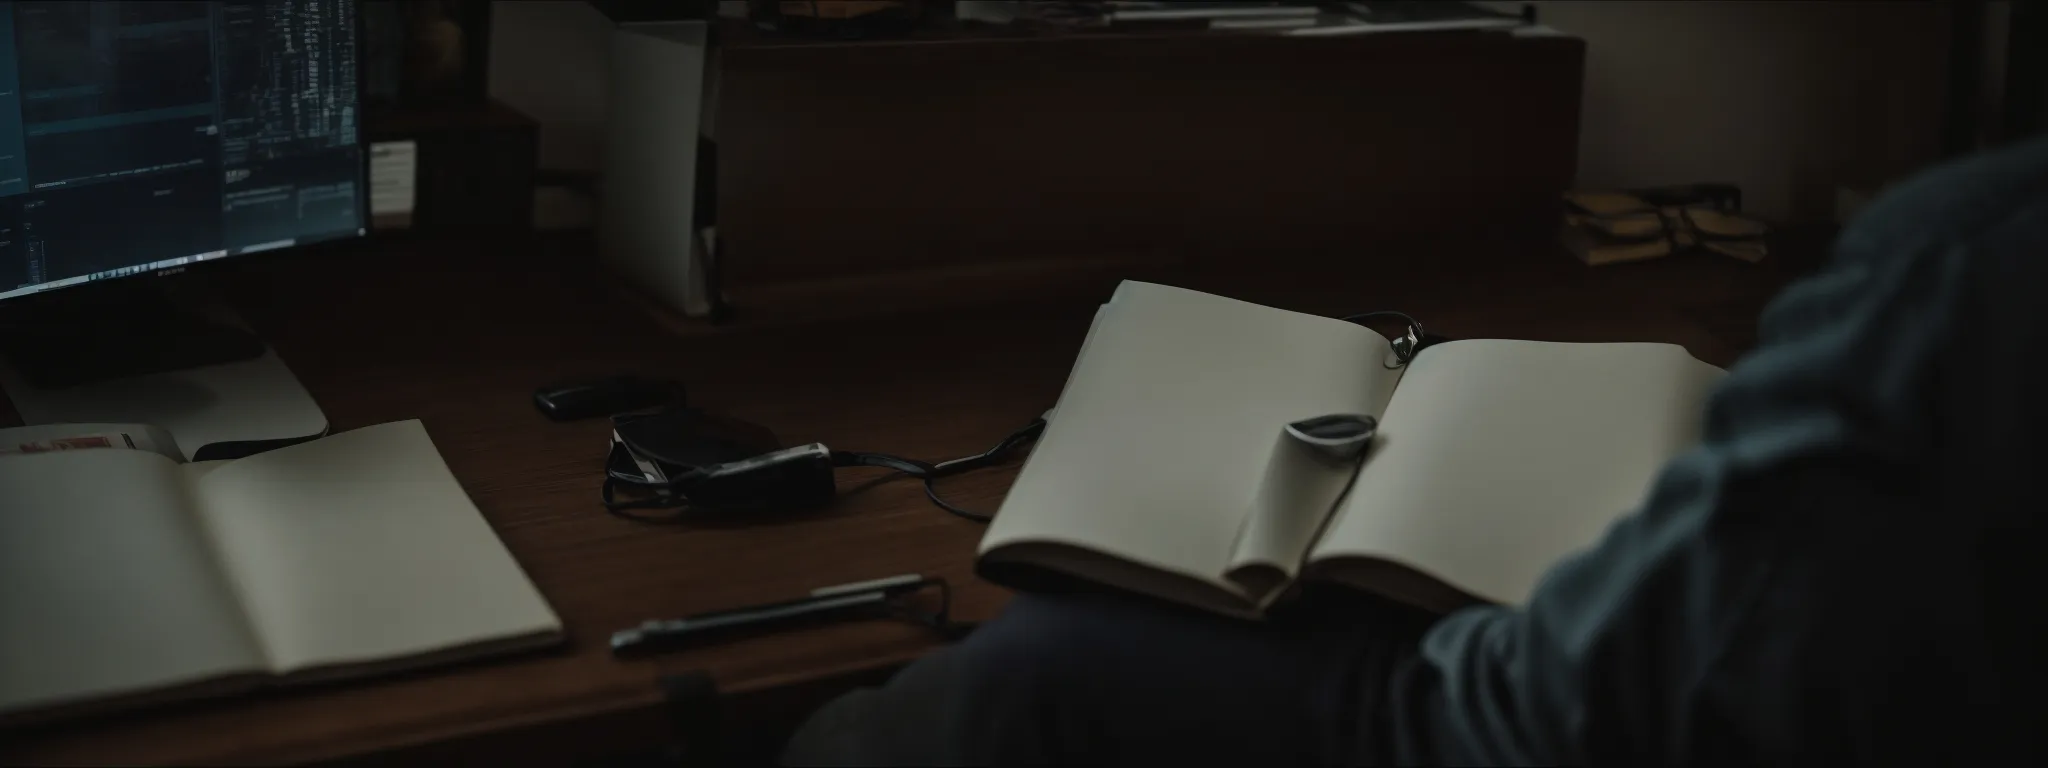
x,y
148,135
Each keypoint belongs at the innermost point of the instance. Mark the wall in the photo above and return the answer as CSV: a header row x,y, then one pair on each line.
x,y
1787,99
1991,67
549,60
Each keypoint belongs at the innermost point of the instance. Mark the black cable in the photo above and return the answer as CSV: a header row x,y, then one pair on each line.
x,y
1364,317
932,492
664,495
929,473
667,495
629,508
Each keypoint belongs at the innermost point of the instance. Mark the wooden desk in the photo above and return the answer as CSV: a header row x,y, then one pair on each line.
x,y
459,334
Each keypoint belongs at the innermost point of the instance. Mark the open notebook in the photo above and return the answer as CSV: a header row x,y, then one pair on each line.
x,y
127,577
1165,469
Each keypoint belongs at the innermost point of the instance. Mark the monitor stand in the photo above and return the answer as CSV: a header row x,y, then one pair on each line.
x,y
151,352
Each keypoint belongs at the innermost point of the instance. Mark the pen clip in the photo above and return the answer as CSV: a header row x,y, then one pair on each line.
x,y
887,585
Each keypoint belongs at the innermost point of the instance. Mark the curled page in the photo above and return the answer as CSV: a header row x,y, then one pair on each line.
x,y
1296,496
1155,451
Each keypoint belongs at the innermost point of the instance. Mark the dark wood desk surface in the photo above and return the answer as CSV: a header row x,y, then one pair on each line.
x,y
458,335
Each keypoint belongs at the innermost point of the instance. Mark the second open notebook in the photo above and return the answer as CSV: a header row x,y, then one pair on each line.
x,y
1165,469
128,578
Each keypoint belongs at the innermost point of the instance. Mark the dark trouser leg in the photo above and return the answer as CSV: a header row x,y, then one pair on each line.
x,y
1098,678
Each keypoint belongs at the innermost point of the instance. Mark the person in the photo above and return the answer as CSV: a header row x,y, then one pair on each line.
x,y
1842,571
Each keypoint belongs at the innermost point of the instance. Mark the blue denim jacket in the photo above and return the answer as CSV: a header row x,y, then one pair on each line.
x,y
1845,569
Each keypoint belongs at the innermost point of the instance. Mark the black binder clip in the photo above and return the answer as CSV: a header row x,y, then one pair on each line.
x,y
1407,344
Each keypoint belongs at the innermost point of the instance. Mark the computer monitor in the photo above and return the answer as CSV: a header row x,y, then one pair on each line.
x,y
141,139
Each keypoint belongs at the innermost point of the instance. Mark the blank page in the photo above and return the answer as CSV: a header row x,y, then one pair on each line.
x,y
362,547
1167,420
1497,458
107,584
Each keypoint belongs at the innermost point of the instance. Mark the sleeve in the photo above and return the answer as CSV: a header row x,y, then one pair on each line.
x,y
1736,602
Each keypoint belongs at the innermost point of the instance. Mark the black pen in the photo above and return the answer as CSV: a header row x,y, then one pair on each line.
x,y
664,633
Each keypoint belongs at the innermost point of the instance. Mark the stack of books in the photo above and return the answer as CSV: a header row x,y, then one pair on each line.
x,y
1615,227
1612,227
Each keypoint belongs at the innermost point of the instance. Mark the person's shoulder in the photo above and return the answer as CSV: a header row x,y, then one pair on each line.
x,y
1947,237
1957,203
